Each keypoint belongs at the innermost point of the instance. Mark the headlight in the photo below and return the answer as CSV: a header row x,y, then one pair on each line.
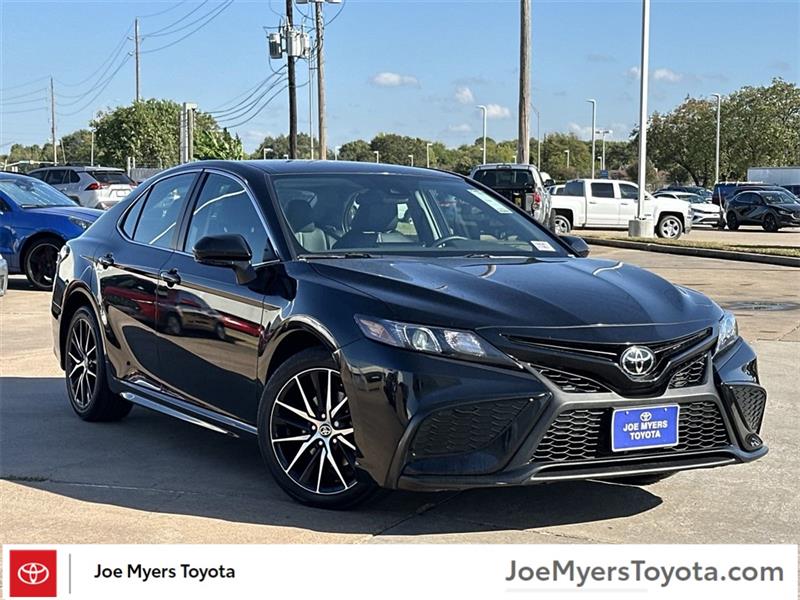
x,y
80,223
433,340
728,332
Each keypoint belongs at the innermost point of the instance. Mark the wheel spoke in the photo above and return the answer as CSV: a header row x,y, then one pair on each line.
x,y
322,456
77,366
328,393
300,452
336,468
346,431
296,411
303,395
338,406
346,442
295,438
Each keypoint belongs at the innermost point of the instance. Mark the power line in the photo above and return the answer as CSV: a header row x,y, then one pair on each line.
x,y
241,112
100,91
108,61
26,84
237,107
161,12
193,31
160,32
6,99
261,108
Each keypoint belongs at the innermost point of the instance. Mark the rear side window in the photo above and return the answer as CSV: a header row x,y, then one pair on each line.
x,y
55,177
38,175
159,216
112,177
603,190
573,188
129,224
73,177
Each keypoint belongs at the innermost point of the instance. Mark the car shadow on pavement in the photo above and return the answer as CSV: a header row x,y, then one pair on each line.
x,y
154,463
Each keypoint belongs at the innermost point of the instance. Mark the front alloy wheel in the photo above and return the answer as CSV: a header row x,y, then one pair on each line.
x,y
770,223
40,263
561,225
306,433
670,227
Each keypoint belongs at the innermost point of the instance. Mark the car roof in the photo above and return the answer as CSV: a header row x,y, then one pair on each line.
x,y
79,168
13,176
505,166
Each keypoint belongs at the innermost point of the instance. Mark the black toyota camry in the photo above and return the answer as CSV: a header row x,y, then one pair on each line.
x,y
383,326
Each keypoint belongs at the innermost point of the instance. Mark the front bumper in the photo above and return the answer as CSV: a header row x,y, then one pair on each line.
x,y
427,423
706,219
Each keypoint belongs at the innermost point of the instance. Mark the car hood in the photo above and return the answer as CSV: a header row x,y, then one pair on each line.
x,y
705,207
79,212
543,294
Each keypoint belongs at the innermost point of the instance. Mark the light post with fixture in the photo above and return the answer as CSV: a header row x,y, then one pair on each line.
x,y
594,121
485,110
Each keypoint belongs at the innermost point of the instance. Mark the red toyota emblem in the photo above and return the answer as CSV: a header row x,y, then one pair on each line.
x,y
33,574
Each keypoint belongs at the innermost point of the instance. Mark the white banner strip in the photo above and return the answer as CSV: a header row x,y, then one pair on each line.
x,y
388,572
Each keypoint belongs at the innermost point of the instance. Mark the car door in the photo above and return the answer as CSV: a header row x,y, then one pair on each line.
x,y
128,268
210,341
628,203
8,234
603,206
55,178
745,206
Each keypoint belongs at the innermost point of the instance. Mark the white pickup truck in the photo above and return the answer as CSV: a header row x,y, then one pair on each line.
x,y
609,203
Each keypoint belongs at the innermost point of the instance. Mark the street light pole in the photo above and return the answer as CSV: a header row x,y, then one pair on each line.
x,y
428,154
567,153
265,152
641,227
594,121
377,156
484,109
336,152
411,158
603,132
719,113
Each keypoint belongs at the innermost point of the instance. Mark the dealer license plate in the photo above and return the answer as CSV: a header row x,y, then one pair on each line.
x,y
640,428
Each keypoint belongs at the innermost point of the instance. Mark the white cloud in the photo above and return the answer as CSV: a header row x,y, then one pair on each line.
x,y
389,79
464,95
495,111
633,73
584,133
460,128
667,75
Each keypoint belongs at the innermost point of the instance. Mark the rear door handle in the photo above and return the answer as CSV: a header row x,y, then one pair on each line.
x,y
106,261
171,277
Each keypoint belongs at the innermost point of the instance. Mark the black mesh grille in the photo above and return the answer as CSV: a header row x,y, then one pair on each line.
x,y
692,372
569,382
752,401
582,434
465,428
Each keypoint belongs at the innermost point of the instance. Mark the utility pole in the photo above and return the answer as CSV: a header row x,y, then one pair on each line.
x,y
137,41
53,119
311,105
321,126
594,129
716,160
484,109
523,137
428,154
290,61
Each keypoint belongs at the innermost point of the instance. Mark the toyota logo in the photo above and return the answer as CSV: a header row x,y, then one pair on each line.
x,y
637,361
645,417
33,573
325,430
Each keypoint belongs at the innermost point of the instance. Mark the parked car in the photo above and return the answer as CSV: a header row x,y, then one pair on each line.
x,y
93,187
786,177
522,184
611,203
470,348
704,193
704,211
3,276
556,189
35,221
772,209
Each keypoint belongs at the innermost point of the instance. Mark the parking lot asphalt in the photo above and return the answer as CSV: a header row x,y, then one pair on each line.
x,y
747,235
153,479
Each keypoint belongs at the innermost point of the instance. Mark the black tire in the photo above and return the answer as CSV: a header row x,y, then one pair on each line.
x,y
87,380
669,227
219,331
292,461
40,262
732,220
174,325
770,223
649,479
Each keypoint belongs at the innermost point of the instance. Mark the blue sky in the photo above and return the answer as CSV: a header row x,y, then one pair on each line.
x,y
407,66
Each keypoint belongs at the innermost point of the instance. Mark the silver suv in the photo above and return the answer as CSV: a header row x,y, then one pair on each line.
x,y
93,187
521,184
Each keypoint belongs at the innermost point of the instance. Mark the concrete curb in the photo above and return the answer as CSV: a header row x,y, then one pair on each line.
x,y
768,259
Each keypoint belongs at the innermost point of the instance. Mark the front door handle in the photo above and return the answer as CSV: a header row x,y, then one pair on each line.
x,y
106,261
171,277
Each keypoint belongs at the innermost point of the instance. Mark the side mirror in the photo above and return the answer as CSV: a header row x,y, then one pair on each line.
x,y
577,244
549,182
230,251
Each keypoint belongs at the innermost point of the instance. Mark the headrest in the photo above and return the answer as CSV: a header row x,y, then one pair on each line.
x,y
300,216
375,217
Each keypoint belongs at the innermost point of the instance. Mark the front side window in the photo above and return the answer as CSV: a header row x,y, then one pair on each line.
x,y
631,192
224,207
573,188
405,215
778,198
157,222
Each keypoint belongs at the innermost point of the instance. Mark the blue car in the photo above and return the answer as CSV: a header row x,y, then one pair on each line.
x,y
35,221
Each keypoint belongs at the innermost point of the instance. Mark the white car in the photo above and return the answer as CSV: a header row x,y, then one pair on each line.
x,y
705,212
3,276
92,187
609,203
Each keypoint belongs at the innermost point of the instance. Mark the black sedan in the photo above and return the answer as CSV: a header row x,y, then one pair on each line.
x,y
772,209
395,327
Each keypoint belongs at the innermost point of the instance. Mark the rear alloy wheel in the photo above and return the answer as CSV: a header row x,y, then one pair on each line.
x,y
40,263
306,433
84,366
561,225
770,223
669,227
733,221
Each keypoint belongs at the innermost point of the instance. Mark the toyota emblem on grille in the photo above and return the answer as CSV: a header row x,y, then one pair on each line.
x,y
637,361
33,573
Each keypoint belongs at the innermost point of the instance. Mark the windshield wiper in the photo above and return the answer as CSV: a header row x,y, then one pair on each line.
x,y
342,255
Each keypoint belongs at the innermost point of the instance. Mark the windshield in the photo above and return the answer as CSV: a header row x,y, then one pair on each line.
x,y
112,177
778,198
341,214
695,199
32,193
504,178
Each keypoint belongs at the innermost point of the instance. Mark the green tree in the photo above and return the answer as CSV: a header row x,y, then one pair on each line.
x,y
357,150
554,157
77,147
278,146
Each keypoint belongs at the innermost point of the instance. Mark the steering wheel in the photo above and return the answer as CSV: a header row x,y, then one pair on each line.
x,y
448,238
